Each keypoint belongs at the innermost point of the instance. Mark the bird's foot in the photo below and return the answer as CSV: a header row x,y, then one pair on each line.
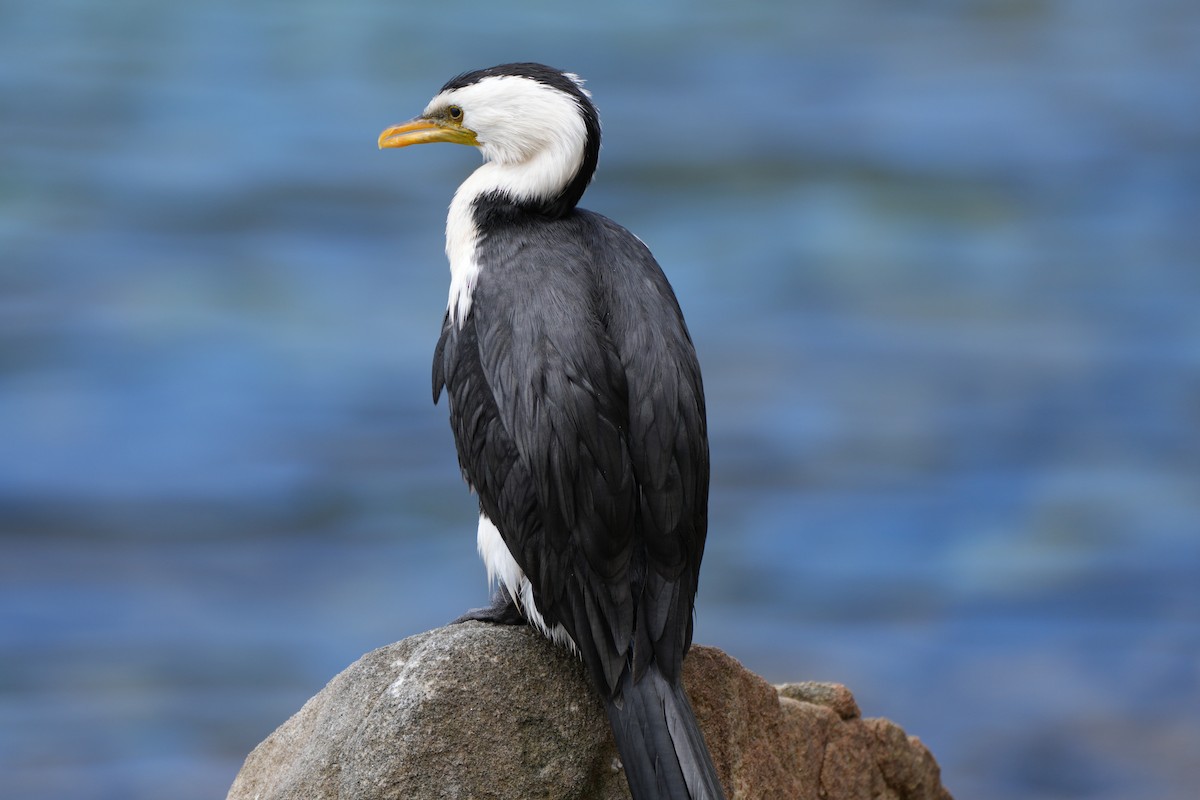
x,y
501,611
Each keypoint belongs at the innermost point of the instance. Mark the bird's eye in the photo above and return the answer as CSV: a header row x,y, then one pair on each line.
x,y
455,113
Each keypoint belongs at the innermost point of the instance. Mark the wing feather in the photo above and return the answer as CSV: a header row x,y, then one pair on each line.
x,y
577,409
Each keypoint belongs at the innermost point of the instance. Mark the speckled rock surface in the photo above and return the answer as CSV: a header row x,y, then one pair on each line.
x,y
481,711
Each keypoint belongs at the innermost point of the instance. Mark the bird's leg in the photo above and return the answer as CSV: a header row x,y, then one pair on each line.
x,y
501,611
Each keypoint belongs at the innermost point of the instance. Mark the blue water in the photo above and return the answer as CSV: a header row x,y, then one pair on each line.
x,y
941,262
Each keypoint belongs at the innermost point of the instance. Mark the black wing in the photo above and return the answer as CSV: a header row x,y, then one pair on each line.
x,y
668,444
578,415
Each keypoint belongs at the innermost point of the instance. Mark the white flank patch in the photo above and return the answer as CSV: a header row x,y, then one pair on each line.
x,y
499,562
501,565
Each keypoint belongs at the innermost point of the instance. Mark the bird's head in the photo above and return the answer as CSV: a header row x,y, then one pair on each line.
x,y
536,127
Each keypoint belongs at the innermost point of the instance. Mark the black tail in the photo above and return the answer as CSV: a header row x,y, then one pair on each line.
x,y
660,743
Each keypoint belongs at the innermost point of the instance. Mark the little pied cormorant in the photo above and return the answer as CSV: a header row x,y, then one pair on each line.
x,y
577,409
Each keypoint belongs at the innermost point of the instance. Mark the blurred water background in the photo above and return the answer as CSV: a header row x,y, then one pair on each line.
x,y
941,262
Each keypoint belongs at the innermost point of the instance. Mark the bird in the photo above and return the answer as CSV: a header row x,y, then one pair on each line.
x,y
577,408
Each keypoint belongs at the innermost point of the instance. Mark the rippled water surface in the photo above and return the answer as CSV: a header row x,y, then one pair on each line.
x,y
941,262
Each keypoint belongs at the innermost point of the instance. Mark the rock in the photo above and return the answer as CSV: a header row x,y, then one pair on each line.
x,y
832,695
484,711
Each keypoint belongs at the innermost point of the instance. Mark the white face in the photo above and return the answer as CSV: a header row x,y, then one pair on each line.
x,y
517,120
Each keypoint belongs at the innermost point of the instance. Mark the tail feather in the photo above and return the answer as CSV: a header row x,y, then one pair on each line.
x,y
660,743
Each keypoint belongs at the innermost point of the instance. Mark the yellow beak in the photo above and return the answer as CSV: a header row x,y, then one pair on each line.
x,y
424,131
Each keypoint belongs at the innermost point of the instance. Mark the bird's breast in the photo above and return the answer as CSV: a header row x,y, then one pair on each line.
x,y
462,238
